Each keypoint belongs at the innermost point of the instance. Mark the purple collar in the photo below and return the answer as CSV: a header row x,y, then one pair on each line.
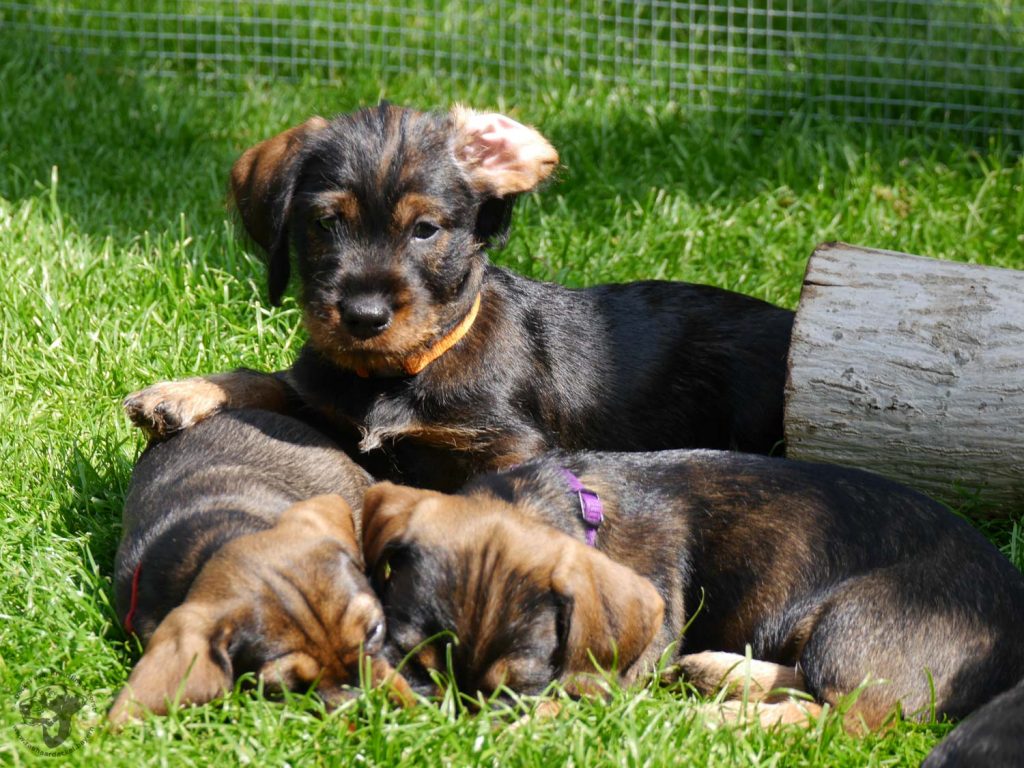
x,y
591,508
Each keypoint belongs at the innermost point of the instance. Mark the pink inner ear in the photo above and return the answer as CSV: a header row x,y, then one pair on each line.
x,y
505,156
496,140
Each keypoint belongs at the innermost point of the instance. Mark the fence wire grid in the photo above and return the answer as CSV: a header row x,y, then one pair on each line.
x,y
911,63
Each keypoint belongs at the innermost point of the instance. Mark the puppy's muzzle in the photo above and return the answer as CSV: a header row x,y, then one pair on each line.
x,y
367,316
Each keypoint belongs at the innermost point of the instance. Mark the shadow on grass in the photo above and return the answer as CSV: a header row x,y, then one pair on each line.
x,y
727,159
132,154
96,478
135,153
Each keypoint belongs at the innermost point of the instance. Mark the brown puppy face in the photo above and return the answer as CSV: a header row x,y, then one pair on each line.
x,y
290,604
388,211
516,603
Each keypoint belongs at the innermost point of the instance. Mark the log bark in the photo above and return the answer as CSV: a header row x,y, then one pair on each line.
x,y
912,368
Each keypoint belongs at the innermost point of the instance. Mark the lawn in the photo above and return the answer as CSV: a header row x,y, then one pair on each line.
x,y
119,265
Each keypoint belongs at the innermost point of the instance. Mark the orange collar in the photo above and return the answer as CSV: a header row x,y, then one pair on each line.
x,y
416,363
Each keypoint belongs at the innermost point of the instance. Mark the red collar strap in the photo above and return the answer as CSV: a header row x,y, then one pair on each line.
x,y
133,606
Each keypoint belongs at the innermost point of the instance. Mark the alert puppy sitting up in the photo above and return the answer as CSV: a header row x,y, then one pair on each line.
x,y
436,365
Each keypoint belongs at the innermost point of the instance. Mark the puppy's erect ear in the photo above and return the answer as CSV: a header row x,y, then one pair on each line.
x,y
500,156
328,515
186,661
613,612
262,182
387,511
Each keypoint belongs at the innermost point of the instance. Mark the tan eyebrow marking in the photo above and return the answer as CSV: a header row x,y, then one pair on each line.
x,y
344,203
412,206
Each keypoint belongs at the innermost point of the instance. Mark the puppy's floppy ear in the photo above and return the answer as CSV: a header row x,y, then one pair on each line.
x,y
186,661
262,182
613,613
493,221
328,515
500,156
387,512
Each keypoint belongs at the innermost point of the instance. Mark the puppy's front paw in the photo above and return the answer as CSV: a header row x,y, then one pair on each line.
x,y
753,679
171,406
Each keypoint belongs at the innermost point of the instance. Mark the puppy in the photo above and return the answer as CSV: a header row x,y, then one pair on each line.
x,y
990,738
833,577
240,554
439,365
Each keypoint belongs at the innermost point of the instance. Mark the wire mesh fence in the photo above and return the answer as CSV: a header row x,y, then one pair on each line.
x,y
913,63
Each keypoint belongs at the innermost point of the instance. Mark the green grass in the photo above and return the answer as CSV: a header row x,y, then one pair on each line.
x,y
118,266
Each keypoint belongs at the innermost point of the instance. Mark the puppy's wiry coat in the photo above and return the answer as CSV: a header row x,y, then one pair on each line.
x,y
240,554
990,738
836,576
439,365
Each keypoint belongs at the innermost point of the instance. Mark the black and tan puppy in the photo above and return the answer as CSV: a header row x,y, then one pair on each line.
x,y
440,365
990,738
240,554
832,576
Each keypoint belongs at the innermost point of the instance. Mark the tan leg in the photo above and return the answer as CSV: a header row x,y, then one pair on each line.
x,y
789,712
170,406
544,711
753,680
398,689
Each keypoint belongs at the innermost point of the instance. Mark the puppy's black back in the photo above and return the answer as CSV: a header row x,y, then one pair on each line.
x,y
230,475
990,738
654,365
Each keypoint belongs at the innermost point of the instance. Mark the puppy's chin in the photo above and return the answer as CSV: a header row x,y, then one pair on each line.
x,y
409,335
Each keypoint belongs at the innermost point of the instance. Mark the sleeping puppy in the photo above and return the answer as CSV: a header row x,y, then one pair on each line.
x,y
832,576
439,365
240,554
990,738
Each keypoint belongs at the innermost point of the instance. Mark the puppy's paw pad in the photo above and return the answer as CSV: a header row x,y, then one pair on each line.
x,y
167,416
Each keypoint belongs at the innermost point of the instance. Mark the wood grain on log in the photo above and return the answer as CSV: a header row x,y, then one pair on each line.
x,y
913,368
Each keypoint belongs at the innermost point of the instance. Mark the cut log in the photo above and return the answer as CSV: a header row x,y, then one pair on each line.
x,y
913,368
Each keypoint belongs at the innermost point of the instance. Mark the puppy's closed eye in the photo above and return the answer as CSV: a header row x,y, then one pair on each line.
x,y
374,641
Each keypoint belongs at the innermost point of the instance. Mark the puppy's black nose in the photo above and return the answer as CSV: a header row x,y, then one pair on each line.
x,y
366,316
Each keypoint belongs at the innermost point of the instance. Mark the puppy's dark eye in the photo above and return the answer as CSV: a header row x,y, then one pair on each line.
x,y
374,641
424,230
327,222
